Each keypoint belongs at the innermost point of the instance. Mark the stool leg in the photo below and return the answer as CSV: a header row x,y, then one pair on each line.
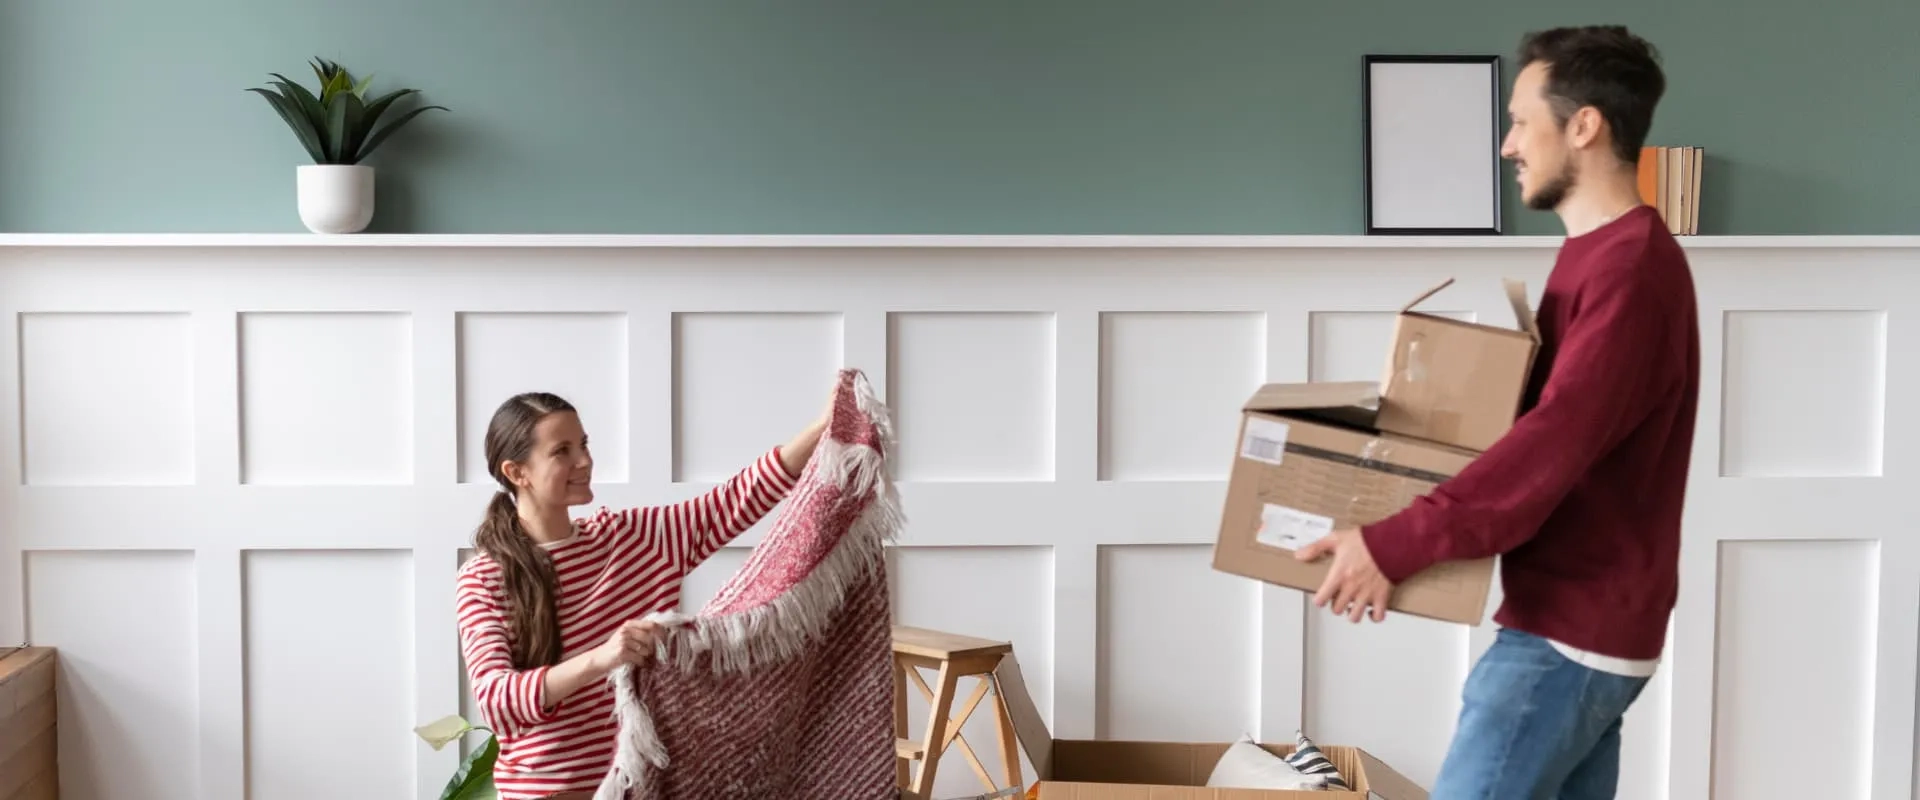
x,y
942,705
903,767
1009,743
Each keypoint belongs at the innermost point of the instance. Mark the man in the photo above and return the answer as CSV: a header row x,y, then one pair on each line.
x,y
1582,498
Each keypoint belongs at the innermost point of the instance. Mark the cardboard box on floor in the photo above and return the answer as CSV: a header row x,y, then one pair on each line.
x,y
1455,382
1311,460
1086,769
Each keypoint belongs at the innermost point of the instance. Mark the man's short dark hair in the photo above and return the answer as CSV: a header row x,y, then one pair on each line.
x,y
1604,66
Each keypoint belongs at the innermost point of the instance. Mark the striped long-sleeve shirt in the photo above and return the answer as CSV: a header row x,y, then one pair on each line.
x,y
615,567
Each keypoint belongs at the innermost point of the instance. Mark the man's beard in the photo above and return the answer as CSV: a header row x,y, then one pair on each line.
x,y
1554,191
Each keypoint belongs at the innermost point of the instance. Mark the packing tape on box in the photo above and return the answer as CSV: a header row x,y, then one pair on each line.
x,y
1406,366
1414,365
1373,457
1409,385
1407,372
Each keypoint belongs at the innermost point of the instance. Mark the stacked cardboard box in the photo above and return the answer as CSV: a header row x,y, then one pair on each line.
x,y
28,763
1313,458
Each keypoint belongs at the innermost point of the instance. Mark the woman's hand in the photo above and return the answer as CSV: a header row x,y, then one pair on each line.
x,y
795,453
631,643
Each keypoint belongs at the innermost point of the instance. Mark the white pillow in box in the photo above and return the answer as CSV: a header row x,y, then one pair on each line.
x,y
1246,765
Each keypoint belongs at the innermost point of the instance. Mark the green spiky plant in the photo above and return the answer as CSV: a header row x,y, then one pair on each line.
x,y
474,779
337,125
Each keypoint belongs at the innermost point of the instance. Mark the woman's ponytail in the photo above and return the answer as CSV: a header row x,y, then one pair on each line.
x,y
527,574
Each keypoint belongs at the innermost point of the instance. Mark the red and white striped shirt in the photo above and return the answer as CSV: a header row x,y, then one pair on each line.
x,y
617,566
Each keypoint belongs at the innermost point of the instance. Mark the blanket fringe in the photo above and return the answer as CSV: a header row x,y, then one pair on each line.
x,y
781,629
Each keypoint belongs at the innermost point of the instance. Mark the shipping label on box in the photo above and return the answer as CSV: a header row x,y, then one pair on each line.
x,y
1309,462
1457,382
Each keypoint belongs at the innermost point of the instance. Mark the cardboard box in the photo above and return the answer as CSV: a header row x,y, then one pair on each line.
x,y
1310,462
1081,769
1455,382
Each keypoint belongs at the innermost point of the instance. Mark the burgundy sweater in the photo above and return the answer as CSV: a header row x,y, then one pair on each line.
x,y
1582,498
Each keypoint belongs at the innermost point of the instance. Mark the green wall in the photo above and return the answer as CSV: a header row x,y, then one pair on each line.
x,y
822,116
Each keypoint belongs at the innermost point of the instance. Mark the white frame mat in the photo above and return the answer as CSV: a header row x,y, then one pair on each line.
x,y
1431,153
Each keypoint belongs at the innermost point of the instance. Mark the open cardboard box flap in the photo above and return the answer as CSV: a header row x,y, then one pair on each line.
x,y
1457,382
1516,290
1356,395
1350,403
1188,763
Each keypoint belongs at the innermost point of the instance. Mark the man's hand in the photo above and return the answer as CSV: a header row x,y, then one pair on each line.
x,y
1354,585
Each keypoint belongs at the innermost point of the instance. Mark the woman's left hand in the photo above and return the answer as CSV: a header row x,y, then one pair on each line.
x,y
795,453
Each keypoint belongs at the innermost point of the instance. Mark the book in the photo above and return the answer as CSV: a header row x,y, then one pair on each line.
x,y
1669,179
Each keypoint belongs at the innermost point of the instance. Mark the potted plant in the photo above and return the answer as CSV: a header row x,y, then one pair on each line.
x,y
474,779
337,127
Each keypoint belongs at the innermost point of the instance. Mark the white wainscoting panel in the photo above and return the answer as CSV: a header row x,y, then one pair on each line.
x,y
1806,393
1163,377
326,399
581,356
972,395
1176,646
745,381
125,623
329,659
108,398
240,474
1789,611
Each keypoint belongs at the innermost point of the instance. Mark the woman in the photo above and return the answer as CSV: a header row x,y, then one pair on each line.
x,y
550,605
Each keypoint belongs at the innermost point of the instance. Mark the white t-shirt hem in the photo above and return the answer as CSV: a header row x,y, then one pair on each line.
x,y
1628,667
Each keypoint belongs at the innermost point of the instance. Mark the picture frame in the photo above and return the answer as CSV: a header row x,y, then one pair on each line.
x,y
1430,144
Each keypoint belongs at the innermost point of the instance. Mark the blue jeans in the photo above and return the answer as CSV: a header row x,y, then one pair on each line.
x,y
1534,725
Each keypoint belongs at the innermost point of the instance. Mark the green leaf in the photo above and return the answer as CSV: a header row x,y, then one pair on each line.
x,y
341,82
311,113
382,134
310,106
351,113
337,131
289,110
474,779
380,104
328,73
308,101
339,125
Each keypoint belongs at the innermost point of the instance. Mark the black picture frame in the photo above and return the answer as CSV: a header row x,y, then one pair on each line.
x,y
1397,217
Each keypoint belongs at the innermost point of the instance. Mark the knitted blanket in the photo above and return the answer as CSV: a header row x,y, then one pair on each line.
x,y
782,685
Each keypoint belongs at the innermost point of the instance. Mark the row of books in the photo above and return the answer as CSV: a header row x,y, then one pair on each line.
x,y
1670,182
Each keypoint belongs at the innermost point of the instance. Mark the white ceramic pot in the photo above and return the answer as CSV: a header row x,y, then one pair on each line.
x,y
335,198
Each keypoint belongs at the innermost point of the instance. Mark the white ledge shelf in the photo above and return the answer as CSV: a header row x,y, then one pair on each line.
x,y
863,241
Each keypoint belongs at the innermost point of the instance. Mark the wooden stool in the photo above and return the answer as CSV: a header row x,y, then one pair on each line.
x,y
955,656
29,724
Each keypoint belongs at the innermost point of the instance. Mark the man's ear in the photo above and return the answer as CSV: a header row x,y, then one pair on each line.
x,y
1584,127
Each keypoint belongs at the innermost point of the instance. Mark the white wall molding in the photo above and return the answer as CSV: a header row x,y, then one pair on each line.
x,y
211,441
903,241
